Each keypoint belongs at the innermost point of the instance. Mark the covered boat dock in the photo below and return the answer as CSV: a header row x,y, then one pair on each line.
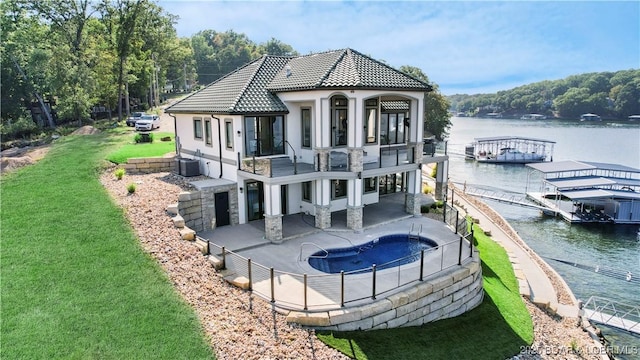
x,y
588,192
510,150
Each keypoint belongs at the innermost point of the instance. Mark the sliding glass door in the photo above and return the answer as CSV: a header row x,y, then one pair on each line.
x,y
264,135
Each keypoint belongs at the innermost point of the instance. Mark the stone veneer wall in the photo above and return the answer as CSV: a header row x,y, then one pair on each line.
x,y
198,208
449,294
150,165
190,208
209,205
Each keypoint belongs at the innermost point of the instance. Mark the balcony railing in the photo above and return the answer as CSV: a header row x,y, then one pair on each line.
x,y
335,160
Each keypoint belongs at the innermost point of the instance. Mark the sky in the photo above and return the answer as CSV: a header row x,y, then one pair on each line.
x,y
464,47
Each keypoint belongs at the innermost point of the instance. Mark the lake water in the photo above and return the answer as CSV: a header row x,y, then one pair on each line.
x,y
613,247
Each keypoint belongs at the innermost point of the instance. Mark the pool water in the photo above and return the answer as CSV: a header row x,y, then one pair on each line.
x,y
385,252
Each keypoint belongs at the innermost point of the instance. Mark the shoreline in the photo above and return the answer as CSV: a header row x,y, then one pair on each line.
x,y
564,294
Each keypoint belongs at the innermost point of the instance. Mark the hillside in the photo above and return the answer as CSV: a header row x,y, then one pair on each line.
x,y
612,95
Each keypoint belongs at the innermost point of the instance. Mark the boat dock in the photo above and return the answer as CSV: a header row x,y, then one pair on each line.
x,y
510,150
612,313
589,192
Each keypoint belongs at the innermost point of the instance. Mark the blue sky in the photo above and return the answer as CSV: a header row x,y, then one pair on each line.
x,y
464,47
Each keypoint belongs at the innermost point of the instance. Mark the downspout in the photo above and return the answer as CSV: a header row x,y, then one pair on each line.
x,y
175,133
219,143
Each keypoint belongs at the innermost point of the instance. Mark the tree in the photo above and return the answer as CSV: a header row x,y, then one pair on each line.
x,y
572,103
276,47
628,99
71,82
216,54
121,20
436,117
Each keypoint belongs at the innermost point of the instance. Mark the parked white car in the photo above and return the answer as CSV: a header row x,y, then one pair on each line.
x,y
148,122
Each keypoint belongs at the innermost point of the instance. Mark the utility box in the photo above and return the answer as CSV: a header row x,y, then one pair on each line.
x,y
188,167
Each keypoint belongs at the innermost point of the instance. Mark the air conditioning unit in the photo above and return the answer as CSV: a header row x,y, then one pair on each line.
x,y
188,167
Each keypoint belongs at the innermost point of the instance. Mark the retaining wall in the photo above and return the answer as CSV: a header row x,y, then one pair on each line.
x,y
150,165
190,208
449,294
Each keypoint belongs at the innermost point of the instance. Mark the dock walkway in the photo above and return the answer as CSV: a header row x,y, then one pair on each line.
x,y
612,313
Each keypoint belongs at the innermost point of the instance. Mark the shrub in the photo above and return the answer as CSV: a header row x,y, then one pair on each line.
x,y
119,173
140,138
434,171
424,209
131,188
426,189
23,128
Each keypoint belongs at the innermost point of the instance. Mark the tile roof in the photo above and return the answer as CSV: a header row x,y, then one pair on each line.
x,y
253,88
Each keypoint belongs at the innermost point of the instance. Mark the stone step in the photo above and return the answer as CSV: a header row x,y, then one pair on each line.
x,y
187,234
216,262
178,221
172,209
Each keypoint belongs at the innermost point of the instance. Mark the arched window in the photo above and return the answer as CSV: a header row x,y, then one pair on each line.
x,y
339,120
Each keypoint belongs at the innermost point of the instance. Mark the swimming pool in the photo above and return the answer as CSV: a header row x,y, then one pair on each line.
x,y
383,252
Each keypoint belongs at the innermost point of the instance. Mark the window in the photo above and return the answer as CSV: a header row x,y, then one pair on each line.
x,y
306,191
264,135
207,131
371,121
228,134
306,127
370,184
197,128
392,128
339,120
339,189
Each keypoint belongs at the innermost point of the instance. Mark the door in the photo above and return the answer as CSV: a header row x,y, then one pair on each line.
x,y
222,209
255,200
283,199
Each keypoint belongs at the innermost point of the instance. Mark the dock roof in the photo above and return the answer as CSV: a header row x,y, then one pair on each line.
x,y
591,182
573,165
510,138
590,194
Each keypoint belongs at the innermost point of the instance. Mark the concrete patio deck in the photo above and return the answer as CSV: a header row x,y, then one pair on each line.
x,y
386,217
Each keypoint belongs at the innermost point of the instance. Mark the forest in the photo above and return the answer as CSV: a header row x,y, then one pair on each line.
x,y
79,60
612,95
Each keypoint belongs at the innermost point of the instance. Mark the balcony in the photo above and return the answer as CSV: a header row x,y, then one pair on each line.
x,y
336,160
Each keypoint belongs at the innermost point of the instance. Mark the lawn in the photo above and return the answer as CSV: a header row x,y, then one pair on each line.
x,y
76,283
132,149
494,330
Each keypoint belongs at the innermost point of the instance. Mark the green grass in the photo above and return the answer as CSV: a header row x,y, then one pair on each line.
x,y
75,282
494,330
133,150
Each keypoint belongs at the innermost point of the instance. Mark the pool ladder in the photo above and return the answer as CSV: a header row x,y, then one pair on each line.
x,y
326,253
415,236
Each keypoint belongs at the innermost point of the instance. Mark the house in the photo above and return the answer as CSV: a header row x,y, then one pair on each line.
x,y
311,134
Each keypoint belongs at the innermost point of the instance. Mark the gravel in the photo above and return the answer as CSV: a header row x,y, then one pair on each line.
x,y
240,326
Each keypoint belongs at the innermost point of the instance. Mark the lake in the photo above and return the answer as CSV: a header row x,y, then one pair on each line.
x,y
608,247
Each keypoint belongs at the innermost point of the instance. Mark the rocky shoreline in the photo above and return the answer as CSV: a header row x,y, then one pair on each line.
x,y
239,326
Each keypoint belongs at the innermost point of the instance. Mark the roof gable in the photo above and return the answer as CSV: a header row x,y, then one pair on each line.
x,y
344,68
241,91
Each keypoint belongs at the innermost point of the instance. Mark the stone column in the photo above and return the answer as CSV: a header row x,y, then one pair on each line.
x,y
323,216
355,159
412,204
354,217
442,175
321,155
273,228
